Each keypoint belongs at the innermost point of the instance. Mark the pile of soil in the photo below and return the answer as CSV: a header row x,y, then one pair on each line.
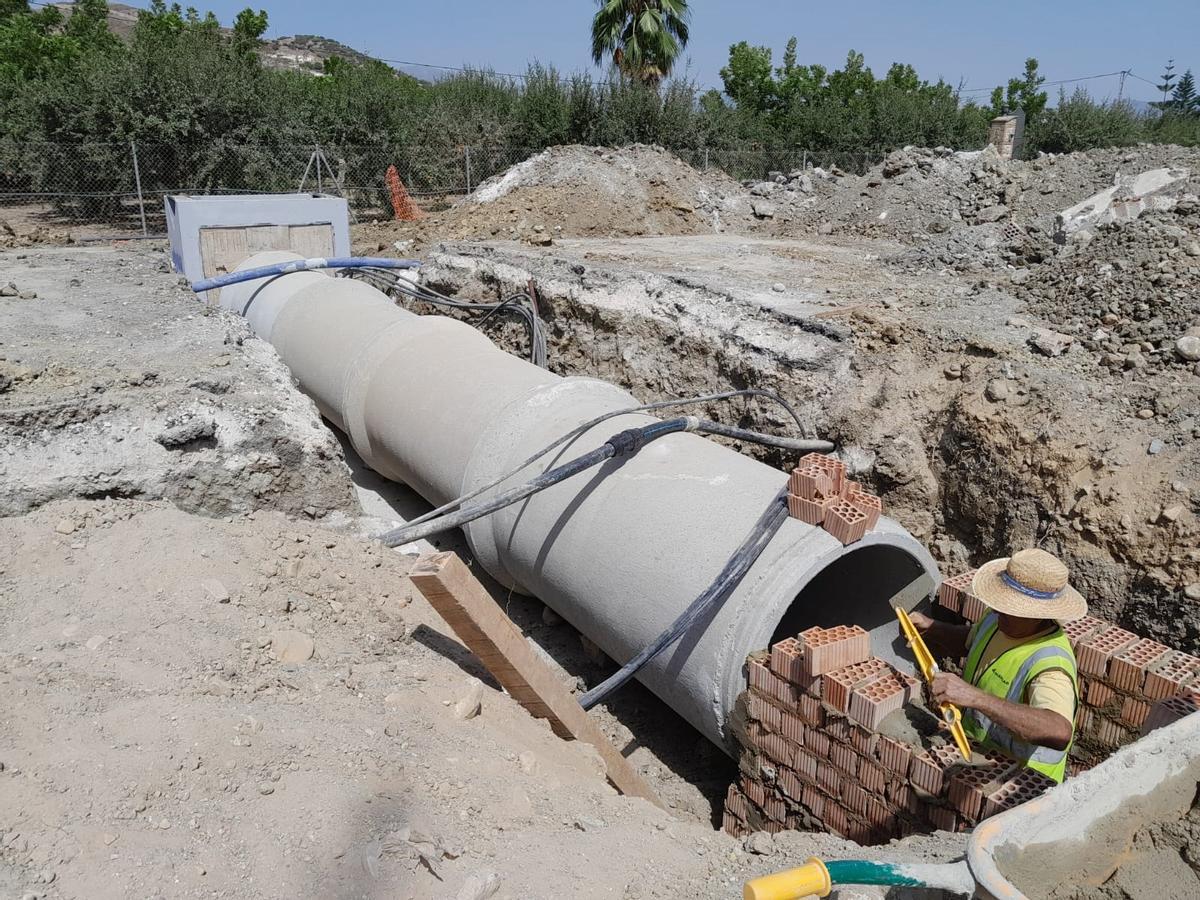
x,y
577,191
1130,292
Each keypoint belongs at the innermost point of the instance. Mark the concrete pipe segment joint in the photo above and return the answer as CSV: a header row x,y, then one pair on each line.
x,y
617,551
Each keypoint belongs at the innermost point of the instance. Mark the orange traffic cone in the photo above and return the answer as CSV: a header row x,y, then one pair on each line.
x,y
402,204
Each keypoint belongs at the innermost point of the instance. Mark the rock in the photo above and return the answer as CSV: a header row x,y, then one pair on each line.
x,y
1171,513
9,290
586,824
996,390
292,646
992,214
825,228
1192,591
1156,447
94,642
953,371
1050,343
65,526
479,886
763,209
763,189
1187,348
778,287
27,295
266,788
528,762
216,590
1016,322
193,430
1145,414
760,843
938,226
470,704
1020,276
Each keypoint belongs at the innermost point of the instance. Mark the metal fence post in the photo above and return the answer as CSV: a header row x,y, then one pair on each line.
x,y
804,164
137,181
467,158
705,159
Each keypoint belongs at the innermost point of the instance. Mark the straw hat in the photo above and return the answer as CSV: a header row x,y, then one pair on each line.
x,y
1031,584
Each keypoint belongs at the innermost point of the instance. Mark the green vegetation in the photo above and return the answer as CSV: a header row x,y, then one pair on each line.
x,y
645,37
206,114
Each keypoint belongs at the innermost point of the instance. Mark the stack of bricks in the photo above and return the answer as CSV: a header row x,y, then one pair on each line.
x,y
819,493
1127,684
814,757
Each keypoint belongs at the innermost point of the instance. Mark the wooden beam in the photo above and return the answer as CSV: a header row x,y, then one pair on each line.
x,y
480,623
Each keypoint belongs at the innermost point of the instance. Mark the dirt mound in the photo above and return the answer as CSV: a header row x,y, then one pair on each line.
x,y
1130,292
576,191
972,209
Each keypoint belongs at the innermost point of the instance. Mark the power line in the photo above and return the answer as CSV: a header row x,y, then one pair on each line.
x,y
1051,83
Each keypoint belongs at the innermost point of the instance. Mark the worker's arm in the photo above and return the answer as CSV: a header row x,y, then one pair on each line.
x,y
942,638
1034,726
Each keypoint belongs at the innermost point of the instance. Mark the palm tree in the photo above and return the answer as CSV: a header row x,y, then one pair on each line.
x,y
643,36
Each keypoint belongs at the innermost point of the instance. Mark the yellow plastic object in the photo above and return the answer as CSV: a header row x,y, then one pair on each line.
x,y
929,667
810,879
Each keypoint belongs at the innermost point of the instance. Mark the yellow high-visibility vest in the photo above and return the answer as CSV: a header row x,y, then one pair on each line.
x,y
1007,677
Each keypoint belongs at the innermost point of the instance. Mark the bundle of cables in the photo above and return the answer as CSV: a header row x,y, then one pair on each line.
x,y
521,305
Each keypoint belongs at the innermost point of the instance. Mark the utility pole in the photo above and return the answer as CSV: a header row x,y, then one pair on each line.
x,y
1121,85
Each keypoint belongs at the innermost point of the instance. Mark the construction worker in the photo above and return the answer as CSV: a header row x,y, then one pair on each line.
x,y
1019,689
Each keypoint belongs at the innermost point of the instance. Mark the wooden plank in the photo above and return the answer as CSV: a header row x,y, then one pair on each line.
x,y
480,623
311,240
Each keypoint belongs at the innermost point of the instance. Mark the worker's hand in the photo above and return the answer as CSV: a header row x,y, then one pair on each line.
x,y
920,621
947,688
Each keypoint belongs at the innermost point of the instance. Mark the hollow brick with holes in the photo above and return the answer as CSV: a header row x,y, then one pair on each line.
x,y
786,660
808,482
1109,732
810,710
839,683
1093,653
1127,669
845,521
895,756
1098,694
863,740
825,649
838,729
1168,711
951,591
943,819
869,505
1169,674
844,757
854,797
834,468
972,608
804,763
872,776
829,778
819,744
791,727
1134,712
1082,629
810,511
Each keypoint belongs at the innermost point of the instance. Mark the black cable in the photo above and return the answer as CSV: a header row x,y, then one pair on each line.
x,y
580,429
713,596
623,443
767,440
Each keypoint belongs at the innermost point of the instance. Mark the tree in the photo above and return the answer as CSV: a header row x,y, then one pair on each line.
x,y
1167,77
1183,98
747,78
644,37
1023,93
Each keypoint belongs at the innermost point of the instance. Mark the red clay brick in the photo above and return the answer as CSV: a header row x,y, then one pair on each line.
x,y
845,521
1024,785
835,468
810,710
732,825
928,770
838,729
1165,712
1109,733
855,797
871,703
871,776
792,728
819,744
814,800
840,683
1093,653
1169,674
1082,629
826,649
810,511
863,740
786,660
784,692
952,590
805,762
967,788
756,674
809,482
972,608
1127,669
1084,720
835,818
1098,694
1134,712
894,756
779,750
829,778
775,809
790,784
900,793
943,819
754,791
842,756
869,505
850,488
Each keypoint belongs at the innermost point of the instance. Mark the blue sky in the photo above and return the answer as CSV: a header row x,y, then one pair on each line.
x,y
981,44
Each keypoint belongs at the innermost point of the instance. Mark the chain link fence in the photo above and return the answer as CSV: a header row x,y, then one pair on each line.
x,y
120,186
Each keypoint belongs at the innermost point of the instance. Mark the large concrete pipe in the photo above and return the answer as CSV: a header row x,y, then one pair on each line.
x,y
618,551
